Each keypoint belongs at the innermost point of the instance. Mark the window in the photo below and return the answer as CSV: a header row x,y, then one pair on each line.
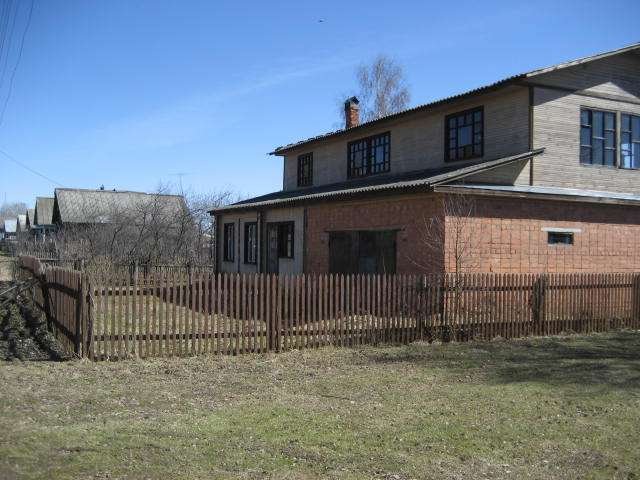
x,y
369,156
250,242
464,135
597,137
305,170
562,238
630,141
285,240
229,242
362,251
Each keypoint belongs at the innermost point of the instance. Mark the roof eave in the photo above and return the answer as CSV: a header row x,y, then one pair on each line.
x,y
394,187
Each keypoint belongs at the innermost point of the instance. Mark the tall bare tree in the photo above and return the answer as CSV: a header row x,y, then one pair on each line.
x,y
382,88
12,210
451,232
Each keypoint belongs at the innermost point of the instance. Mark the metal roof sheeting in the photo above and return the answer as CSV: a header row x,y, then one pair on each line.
x,y
555,192
412,180
500,83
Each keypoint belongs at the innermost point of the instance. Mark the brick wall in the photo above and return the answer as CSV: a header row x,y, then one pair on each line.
x,y
507,234
405,213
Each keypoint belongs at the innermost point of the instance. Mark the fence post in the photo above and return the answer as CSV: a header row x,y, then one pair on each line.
x,y
538,303
79,331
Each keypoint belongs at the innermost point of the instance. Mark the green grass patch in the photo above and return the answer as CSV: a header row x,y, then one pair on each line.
x,y
544,408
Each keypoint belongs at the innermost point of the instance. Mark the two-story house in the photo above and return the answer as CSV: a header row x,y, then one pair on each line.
x,y
548,159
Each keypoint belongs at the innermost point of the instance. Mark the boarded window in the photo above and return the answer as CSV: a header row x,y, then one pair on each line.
x,y
362,251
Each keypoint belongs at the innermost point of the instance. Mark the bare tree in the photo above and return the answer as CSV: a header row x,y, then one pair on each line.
x,y
12,210
451,232
382,89
139,229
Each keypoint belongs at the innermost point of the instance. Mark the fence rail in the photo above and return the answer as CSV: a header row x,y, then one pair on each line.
x,y
171,312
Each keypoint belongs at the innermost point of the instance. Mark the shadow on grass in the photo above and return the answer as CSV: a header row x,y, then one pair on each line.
x,y
610,360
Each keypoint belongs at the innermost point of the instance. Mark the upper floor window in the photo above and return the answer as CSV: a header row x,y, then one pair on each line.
x,y
229,242
305,170
464,137
369,156
630,141
250,242
597,137
285,240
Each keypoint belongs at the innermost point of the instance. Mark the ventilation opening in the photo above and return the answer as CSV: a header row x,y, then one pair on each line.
x,y
560,238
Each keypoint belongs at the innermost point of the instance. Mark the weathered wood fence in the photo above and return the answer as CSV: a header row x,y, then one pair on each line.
x,y
122,314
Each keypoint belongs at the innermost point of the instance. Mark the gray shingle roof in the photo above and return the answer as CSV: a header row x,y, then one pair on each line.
x,y
423,179
31,217
483,89
102,206
44,211
22,222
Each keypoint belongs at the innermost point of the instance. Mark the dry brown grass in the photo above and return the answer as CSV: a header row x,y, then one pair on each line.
x,y
547,408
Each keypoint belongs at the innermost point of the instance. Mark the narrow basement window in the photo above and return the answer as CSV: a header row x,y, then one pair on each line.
x,y
562,238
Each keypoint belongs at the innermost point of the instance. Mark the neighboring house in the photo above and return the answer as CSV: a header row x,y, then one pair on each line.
x,y
84,207
550,159
43,218
31,214
21,225
10,228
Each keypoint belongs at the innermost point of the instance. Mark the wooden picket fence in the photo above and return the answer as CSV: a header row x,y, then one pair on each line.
x,y
117,314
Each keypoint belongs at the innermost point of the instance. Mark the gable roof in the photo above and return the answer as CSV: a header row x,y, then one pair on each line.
x,y
31,217
476,91
73,205
44,211
22,221
417,180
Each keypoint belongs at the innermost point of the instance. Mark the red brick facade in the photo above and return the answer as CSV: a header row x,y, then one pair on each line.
x,y
506,234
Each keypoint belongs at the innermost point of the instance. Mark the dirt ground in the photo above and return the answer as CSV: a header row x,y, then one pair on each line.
x,y
6,264
23,330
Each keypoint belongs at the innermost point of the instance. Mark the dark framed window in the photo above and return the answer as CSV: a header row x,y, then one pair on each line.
x,y
560,238
250,242
630,141
464,135
285,240
229,242
362,251
369,156
597,137
305,170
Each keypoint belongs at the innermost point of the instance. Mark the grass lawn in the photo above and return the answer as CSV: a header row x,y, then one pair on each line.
x,y
544,408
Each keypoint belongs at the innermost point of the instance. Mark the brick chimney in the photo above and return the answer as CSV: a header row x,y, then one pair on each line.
x,y
351,112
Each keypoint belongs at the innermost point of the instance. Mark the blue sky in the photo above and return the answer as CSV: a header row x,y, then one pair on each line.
x,y
130,94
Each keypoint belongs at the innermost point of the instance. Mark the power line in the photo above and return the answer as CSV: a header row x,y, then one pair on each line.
x,y
26,167
7,40
15,68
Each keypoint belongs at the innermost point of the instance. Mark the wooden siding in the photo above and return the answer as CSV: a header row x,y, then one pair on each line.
x,y
513,174
610,84
417,141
